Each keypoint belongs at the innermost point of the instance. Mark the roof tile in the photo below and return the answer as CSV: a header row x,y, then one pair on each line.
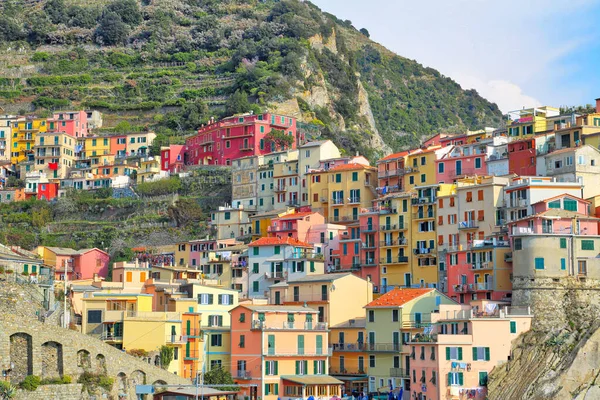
x,y
274,241
398,297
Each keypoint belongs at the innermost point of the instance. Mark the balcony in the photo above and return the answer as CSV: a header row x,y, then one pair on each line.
x,y
293,203
399,373
176,339
308,326
422,200
368,245
275,275
384,347
390,243
243,375
465,288
394,260
389,227
368,228
337,202
283,228
471,224
111,338
387,210
424,251
280,188
485,286
246,148
387,173
407,170
369,262
508,257
482,265
349,347
424,215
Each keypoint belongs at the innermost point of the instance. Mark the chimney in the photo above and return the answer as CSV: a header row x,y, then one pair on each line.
x,y
598,105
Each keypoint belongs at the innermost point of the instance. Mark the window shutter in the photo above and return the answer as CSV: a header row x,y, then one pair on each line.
x,y
276,367
210,298
487,354
315,366
230,299
474,353
297,367
447,353
267,369
305,367
449,378
459,353
266,389
277,388
513,326
220,299
199,297
460,379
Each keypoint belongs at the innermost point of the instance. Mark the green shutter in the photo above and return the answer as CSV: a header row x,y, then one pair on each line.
x,y
271,344
220,320
305,367
587,245
563,264
26,268
255,268
315,367
355,176
459,353
276,363
267,369
447,353
297,367
449,378
220,299
312,266
230,299
487,354
460,378
539,263
483,378
300,344
211,298
255,286
319,344
474,353
266,389
255,250
513,326
277,388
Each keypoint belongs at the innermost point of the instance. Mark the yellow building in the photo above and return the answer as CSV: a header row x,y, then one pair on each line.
x,y
420,167
138,144
529,121
260,222
340,192
149,168
6,126
391,322
54,154
23,138
349,359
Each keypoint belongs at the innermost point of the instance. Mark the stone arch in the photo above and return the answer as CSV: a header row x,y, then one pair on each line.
x,y
52,360
21,356
122,383
84,360
101,364
159,385
137,377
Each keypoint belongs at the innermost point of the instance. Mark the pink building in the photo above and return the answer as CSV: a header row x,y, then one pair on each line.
x,y
73,123
80,264
295,225
171,158
469,159
453,358
219,143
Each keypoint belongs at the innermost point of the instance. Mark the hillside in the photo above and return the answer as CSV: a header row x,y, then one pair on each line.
x,y
171,64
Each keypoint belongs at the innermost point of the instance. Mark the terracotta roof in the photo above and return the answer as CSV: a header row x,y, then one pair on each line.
x,y
296,215
349,167
395,155
274,241
398,297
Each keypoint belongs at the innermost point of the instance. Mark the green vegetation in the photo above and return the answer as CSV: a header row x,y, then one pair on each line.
x,y
166,356
7,391
30,383
172,65
220,376
91,382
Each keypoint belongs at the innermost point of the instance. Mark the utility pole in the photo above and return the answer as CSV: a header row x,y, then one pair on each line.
x,y
65,323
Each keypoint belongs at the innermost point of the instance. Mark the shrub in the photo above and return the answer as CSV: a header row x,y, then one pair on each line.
x,y
30,383
40,56
138,352
92,381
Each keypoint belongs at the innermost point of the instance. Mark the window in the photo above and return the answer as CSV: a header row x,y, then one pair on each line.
x,y
423,160
423,178
94,316
478,162
338,178
255,266
371,315
563,264
513,326
216,339
205,298
227,215
395,315
480,195
301,367
271,367
242,317
519,244
587,245
355,176
563,243
469,197
225,299
411,180
455,379
539,263
570,205
255,251
454,353
371,361
582,267
569,160
481,354
440,168
242,341
255,287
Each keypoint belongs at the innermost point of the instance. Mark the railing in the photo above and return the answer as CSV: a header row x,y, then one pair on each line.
x,y
274,275
422,200
471,224
369,262
354,200
309,326
243,375
397,242
464,288
482,265
369,245
424,215
508,257
485,286
393,260
384,347
424,251
335,201
399,373
280,188
176,339
388,227
368,228
111,338
348,346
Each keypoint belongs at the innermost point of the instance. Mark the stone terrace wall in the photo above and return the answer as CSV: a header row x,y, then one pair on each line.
x,y
47,351
52,392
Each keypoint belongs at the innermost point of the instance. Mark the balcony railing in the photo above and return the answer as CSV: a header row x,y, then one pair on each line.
x,y
369,262
368,245
393,260
399,373
243,375
176,339
348,346
309,326
368,228
424,215
384,347
482,265
397,242
465,288
471,224
275,275
508,257
480,287
424,251
337,202
422,200
280,188
388,227
354,200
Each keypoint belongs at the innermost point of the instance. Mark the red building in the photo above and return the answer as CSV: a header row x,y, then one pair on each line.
x,y
47,191
171,158
219,143
73,123
522,158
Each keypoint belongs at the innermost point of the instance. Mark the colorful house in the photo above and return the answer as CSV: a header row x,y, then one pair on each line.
x,y
80,264
24,131
72,123
282,350
138,144
578,164
273,260
54,154
465,342
171,158
295,225
529,121
219,143
392,320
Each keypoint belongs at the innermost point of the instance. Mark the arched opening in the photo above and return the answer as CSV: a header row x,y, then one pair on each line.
x,y
122,384
159,386
137,378
52,360
21,357
157,360
84,360
100,364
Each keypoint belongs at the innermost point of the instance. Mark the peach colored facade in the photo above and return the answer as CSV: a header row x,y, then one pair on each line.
x,y
295,225
466,342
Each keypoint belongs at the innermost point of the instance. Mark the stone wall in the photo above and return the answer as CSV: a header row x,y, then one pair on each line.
x,y
52,392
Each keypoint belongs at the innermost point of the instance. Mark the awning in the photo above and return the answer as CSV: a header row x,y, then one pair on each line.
x,y
353,378
313,379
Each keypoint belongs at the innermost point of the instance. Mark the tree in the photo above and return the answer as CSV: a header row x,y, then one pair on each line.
x,y
280,138
166,356
220,376
14,182
365,32
185,212
159,141
112,29
10,30
55,10
83,17
237,104
128,10
7,391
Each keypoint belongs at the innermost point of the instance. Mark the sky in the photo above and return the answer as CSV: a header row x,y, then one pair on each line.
x,y
516,53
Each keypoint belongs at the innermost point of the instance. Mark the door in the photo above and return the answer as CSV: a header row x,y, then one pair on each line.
x,y
372,340
173,333
324,292
361,339
296,293
336,215
396,341
407,280
341,339
418,320
277,298
271,344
